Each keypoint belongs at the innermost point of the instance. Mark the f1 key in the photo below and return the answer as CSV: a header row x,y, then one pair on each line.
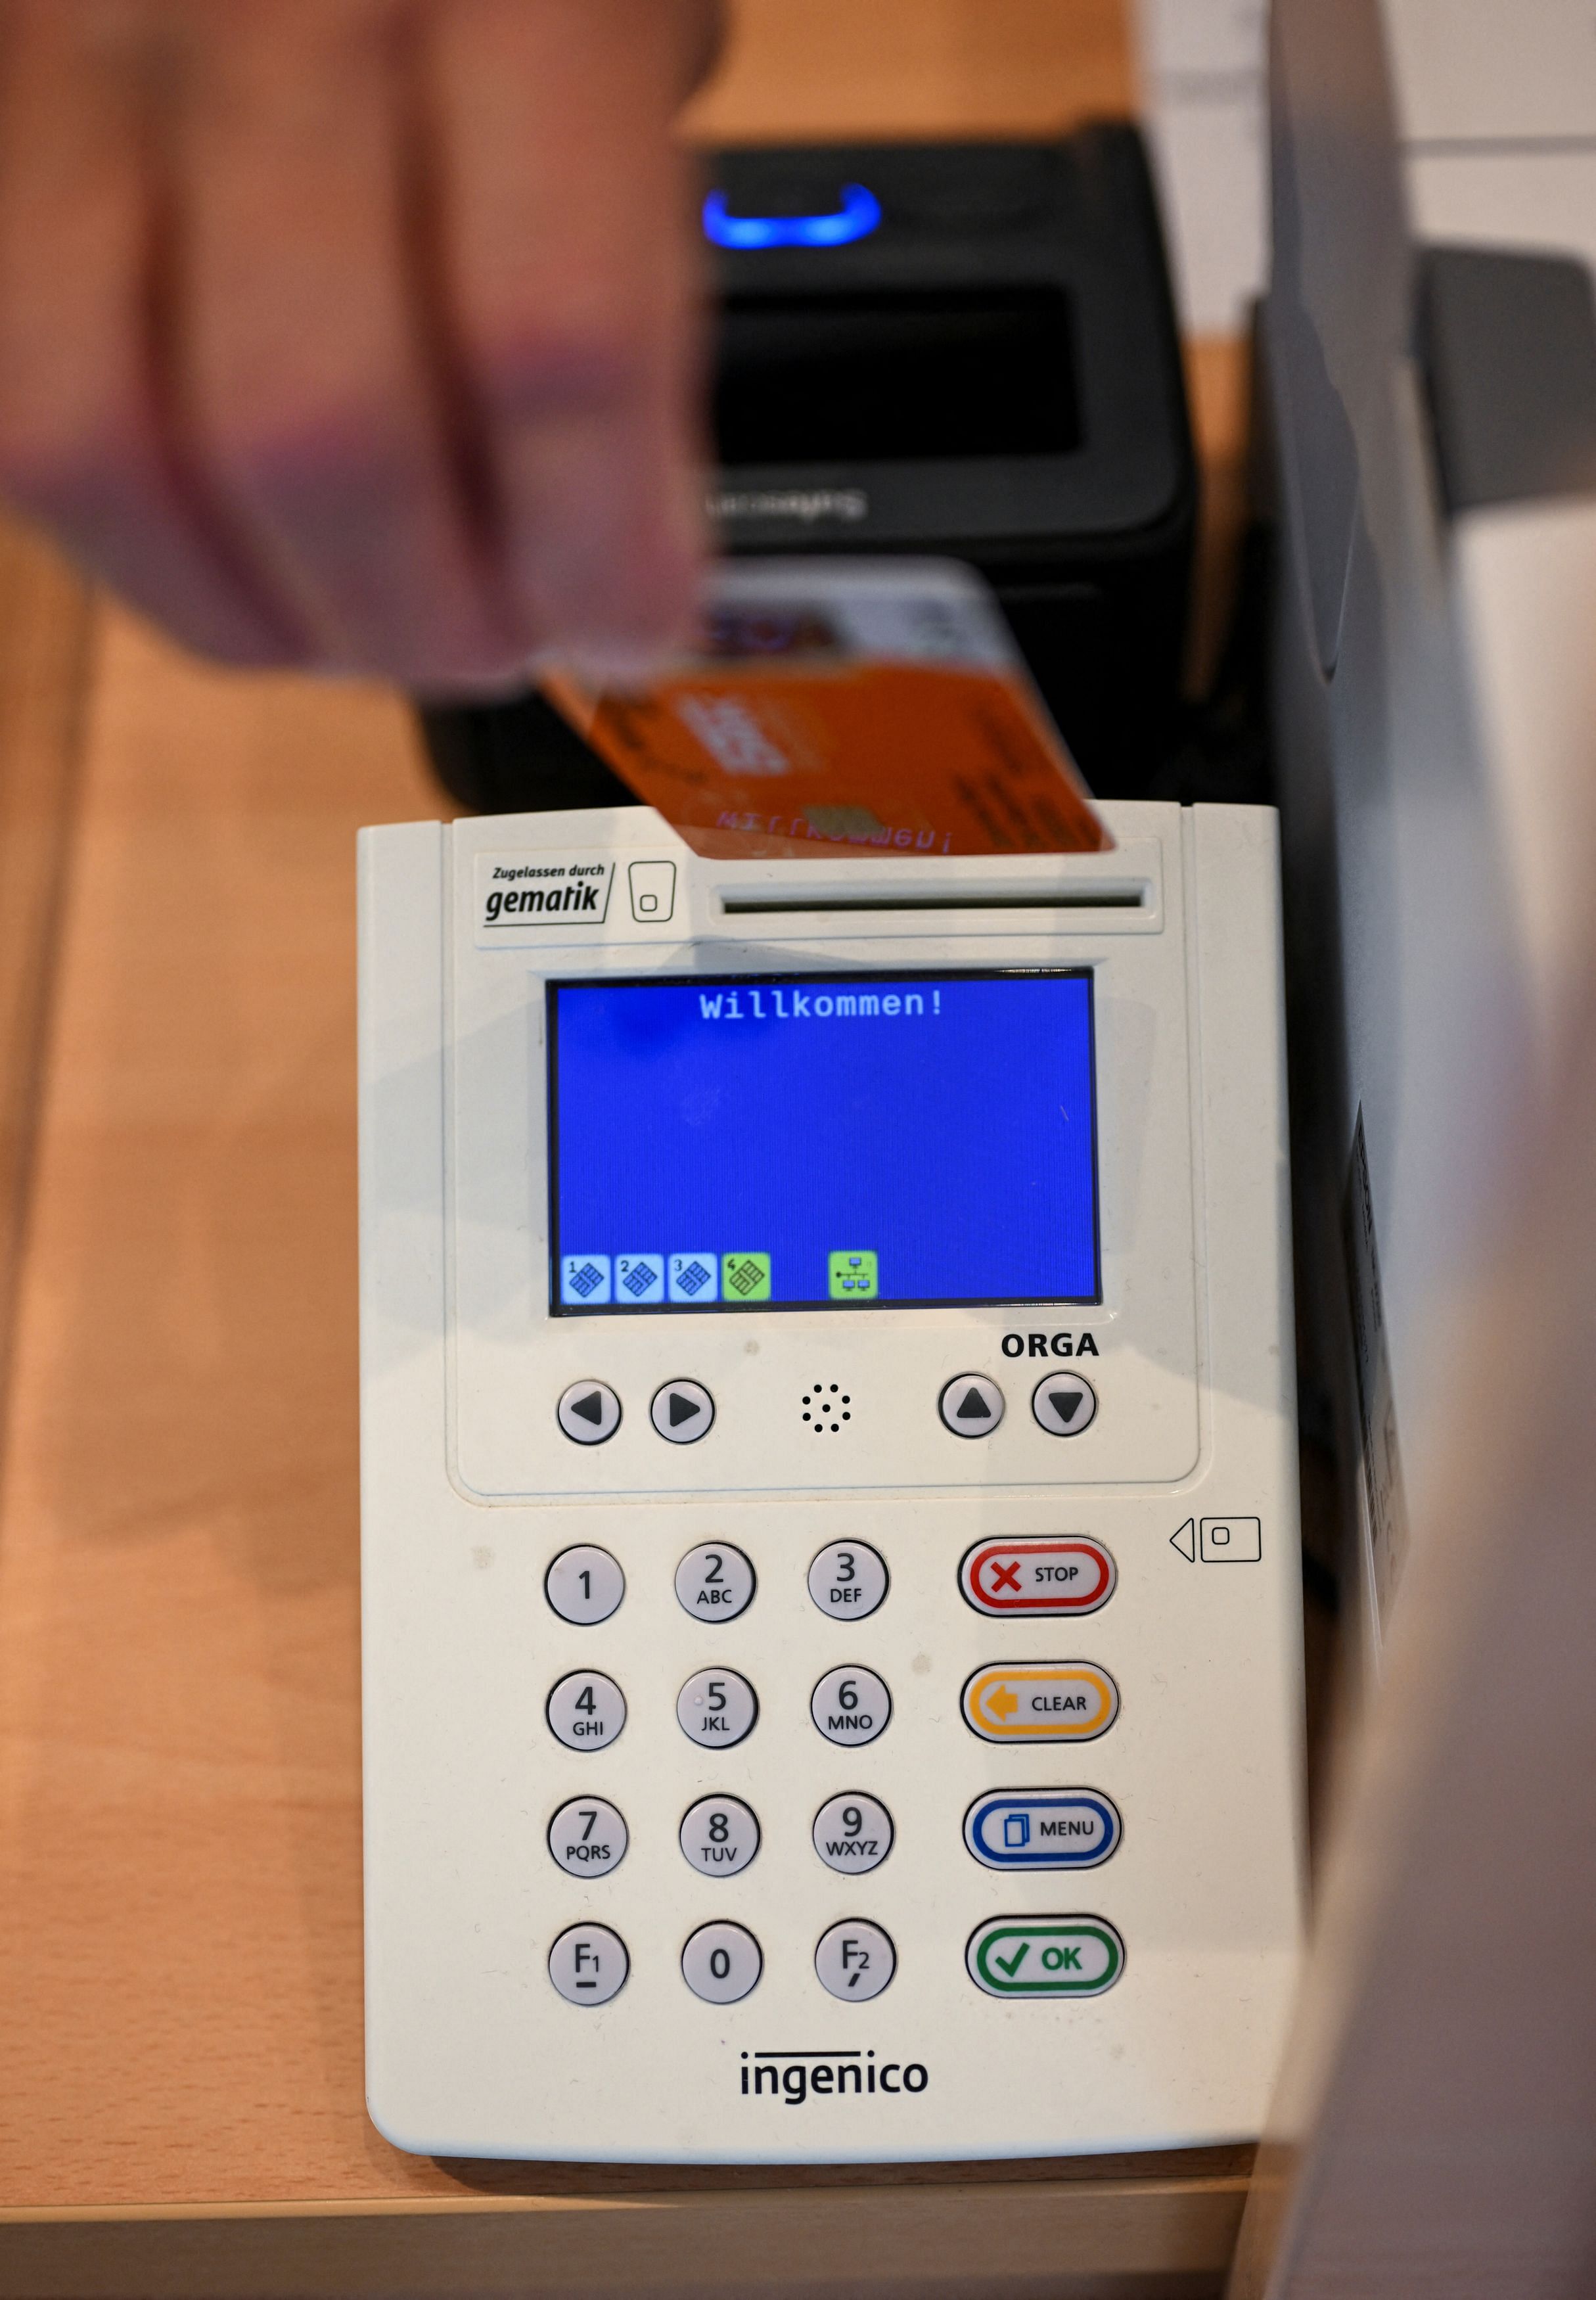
x,y
1070,1575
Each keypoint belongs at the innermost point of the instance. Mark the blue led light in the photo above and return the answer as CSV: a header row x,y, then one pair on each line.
x,y
856,219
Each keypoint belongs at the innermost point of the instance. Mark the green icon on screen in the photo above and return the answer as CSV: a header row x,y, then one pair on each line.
x,y
852,1277
745,1278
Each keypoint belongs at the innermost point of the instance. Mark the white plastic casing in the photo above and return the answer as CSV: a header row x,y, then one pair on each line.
x,y
469,1490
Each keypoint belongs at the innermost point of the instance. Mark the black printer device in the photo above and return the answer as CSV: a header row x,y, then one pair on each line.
x,y
960,350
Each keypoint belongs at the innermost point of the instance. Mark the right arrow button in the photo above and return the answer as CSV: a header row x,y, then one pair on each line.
x,y
682,1412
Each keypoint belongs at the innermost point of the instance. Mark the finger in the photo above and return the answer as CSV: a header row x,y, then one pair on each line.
x,y
705,40
312,400
575,299
86,442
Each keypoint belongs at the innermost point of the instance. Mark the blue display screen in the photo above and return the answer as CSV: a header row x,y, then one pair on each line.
x,y
786,1141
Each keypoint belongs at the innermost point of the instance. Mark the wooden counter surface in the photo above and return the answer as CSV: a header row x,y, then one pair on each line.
x,y
180,1764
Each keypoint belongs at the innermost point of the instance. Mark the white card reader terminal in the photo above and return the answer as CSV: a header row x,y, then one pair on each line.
x,y
831,1592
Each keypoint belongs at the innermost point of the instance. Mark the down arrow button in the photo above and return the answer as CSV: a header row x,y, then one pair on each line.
x,y
1064,1404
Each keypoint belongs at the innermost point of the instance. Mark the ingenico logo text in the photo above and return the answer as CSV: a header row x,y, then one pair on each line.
x,y
795,2078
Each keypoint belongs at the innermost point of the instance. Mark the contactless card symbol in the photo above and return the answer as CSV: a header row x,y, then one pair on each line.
x,y
584,1278
745,1276
640,1277
852,1277
692,1277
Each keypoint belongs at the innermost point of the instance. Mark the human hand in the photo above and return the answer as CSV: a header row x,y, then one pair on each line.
x,y
357,334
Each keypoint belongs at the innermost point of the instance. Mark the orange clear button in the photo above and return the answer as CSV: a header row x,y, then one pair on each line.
x,y
1040,1700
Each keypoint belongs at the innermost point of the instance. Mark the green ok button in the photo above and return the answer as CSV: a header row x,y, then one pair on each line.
x,y
1045,1956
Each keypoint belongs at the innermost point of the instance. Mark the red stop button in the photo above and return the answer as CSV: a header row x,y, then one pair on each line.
x,y
1071,1575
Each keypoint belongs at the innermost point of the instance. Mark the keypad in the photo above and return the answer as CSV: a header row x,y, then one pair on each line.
x,y
584,1585
717,1708
587,1711
851,1706
715,1583
848,1580
588,1838
719,1836
853,1832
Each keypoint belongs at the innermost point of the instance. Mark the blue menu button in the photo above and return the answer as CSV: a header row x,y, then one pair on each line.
x,y
1042,1829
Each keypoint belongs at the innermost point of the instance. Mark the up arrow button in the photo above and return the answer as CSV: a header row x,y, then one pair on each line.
x,y
971,1405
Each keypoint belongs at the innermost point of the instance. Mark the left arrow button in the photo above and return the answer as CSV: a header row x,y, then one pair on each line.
x,y
588,1413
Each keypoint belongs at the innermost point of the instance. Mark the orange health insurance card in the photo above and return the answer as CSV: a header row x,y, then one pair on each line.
x,y
872,705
